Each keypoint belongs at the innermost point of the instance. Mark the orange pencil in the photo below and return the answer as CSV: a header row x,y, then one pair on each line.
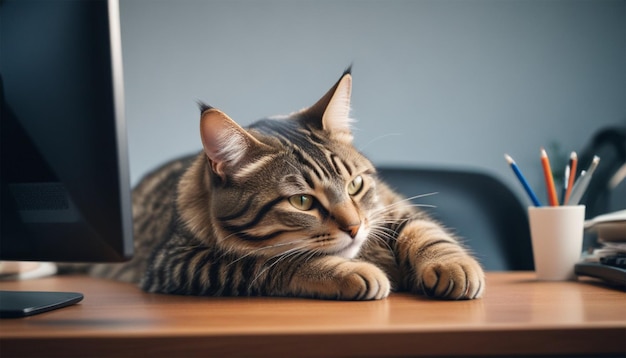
x,y
547,173
573,161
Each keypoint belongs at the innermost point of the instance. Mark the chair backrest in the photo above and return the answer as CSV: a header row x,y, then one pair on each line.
x,y
603,195
477,207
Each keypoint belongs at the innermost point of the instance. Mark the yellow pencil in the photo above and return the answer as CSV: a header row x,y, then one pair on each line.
x,y
547,173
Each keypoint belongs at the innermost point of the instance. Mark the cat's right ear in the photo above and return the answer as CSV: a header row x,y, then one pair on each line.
x,y
225,143
332,112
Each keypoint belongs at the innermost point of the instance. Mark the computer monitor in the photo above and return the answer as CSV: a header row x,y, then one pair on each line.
x,y
65,185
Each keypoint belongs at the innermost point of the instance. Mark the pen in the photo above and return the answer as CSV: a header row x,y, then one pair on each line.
x,y
583,182
522,180
547,173
573,161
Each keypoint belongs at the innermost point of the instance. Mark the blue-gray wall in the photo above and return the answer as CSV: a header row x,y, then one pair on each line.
x,y
443,83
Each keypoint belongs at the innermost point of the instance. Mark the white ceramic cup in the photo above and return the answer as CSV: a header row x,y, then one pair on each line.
x,y
557,238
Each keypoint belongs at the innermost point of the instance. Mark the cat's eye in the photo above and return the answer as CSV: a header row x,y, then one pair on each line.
x,y
355,186
302,202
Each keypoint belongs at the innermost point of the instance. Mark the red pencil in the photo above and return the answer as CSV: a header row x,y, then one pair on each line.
x,y
547,173
573,161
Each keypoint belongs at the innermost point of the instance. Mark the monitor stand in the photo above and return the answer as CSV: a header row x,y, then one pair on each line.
x,y
15,304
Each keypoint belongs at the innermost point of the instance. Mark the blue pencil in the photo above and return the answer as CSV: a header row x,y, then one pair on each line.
x,y
522,180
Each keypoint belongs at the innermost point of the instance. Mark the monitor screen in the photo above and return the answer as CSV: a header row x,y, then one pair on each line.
x,y
65,186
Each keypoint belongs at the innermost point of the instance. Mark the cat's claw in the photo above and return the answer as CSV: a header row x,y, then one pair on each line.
x,y
456,280
361,281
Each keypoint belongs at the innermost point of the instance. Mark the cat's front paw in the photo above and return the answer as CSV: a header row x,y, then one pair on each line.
x,y
361,281
457,279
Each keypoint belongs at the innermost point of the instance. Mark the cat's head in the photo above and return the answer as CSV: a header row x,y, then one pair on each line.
x,y
290,184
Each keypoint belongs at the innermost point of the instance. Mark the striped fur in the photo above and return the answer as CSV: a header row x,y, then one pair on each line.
x,y
287,207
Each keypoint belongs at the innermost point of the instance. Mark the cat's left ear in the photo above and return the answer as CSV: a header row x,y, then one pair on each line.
x,y
332,112
225,143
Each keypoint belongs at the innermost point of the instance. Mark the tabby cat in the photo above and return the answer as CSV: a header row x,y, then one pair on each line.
x,y
287,207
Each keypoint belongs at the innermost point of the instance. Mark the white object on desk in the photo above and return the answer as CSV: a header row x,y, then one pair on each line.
x,y
610,226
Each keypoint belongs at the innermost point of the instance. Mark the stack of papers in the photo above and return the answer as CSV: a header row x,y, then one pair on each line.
x,y
608,262
611,231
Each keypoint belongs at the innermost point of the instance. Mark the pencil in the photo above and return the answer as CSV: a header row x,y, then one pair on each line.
x,y
547,173
522,180
581,184
573,162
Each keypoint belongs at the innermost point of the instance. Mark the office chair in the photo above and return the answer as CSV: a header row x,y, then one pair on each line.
x,y
606,189
477,207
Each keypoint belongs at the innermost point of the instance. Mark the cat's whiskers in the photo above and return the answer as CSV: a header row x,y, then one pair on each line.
x,y
419,196
268,247
380,230
313,253
383,230
291,253
233,236
379,220
382,236
405,202
374,140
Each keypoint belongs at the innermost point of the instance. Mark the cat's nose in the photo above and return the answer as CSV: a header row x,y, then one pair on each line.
x,y
352,230
347,218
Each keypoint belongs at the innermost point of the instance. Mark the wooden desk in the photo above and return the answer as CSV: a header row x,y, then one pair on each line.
x,y
517,316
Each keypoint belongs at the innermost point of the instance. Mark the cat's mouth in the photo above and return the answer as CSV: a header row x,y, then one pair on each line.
x,y
352,246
